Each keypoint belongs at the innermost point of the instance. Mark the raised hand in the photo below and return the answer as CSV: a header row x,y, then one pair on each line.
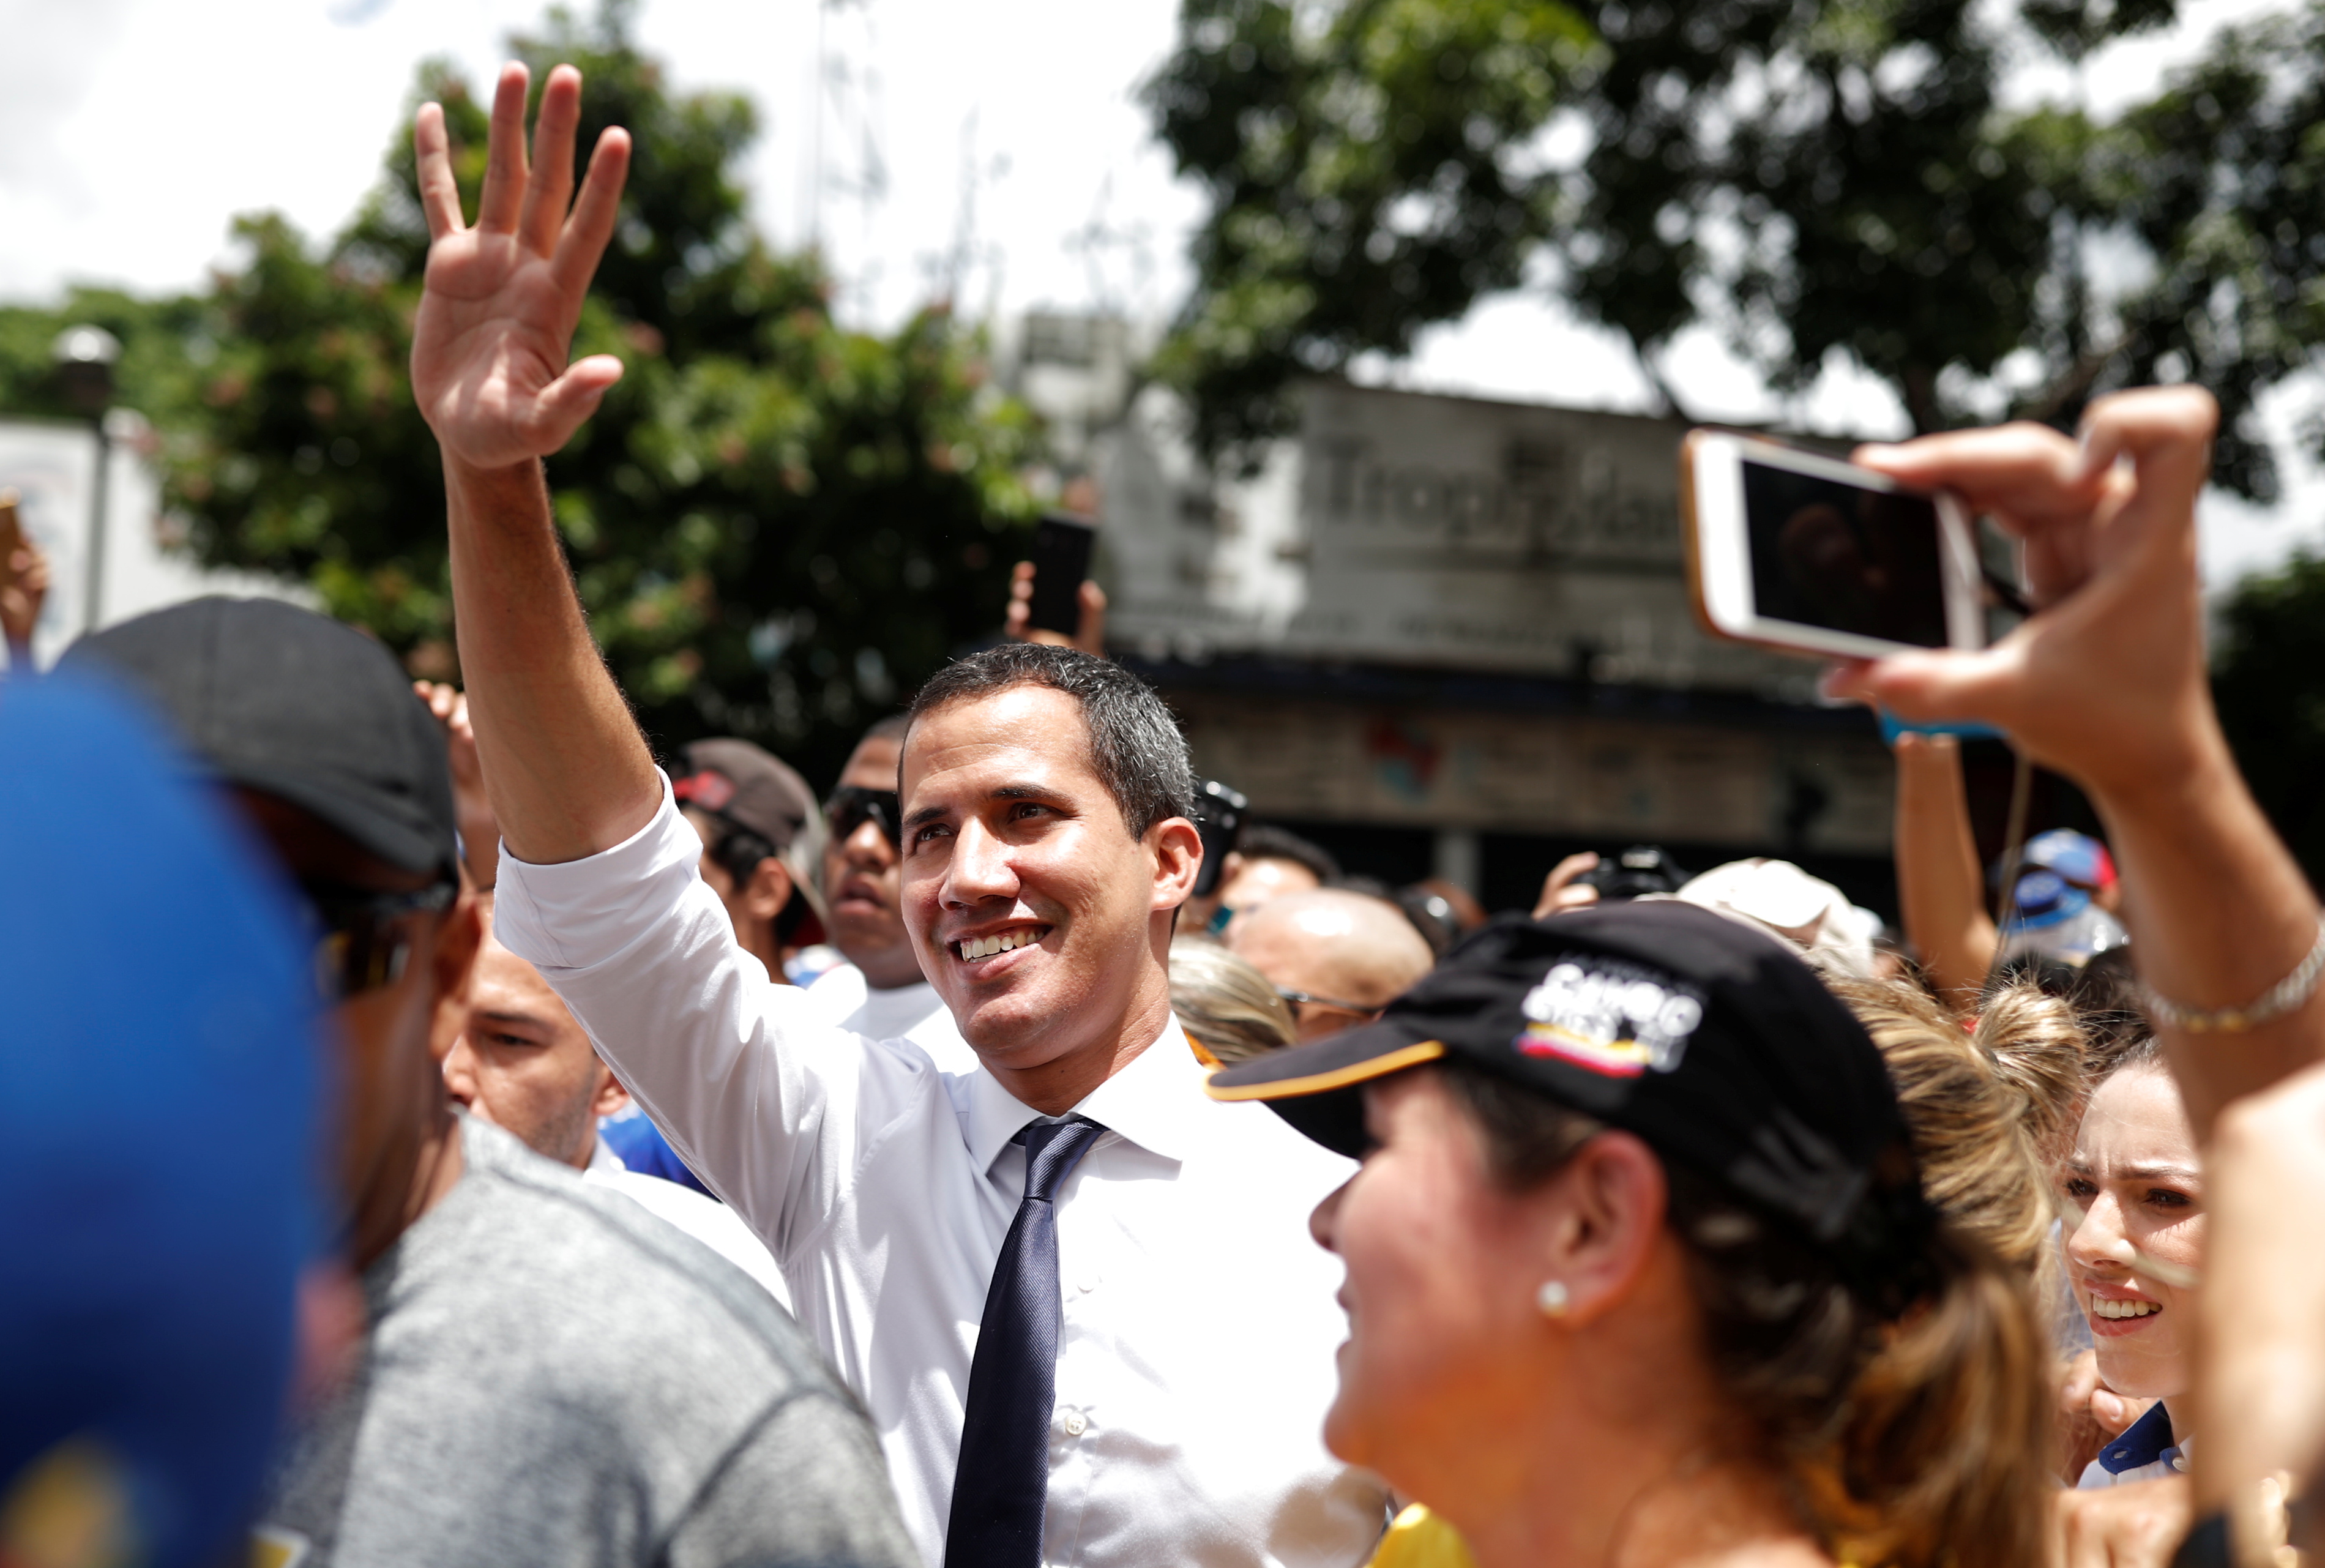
x,y
480,831
1089,600
1561,892
24,589
496,323
2105,683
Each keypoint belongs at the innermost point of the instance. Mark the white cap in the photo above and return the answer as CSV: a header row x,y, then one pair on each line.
x,y
1812,916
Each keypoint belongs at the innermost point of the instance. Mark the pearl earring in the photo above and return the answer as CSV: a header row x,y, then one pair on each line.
x,y
1551,1299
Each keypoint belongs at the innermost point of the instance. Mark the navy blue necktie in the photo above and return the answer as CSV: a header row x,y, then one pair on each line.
x,y
1003,1482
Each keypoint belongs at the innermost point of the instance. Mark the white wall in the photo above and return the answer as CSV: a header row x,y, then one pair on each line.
x,y
50,465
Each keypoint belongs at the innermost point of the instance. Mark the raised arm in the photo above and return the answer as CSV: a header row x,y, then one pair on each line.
x,y
1939,889
2107,684
568,772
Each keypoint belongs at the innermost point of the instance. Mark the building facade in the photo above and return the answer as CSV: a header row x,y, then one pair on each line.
x,y
1452,636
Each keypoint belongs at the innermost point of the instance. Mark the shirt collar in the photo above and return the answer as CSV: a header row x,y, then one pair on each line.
x,y
2144,1441
602,1158
1152,1102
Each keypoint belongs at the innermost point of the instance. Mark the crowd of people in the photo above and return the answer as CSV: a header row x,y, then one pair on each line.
x,y
504,1147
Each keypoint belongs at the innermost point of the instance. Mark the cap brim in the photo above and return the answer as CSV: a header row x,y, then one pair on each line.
x,y
1320,1089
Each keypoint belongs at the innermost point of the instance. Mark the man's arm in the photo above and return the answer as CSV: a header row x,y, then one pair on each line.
x,y
2107,684
568,772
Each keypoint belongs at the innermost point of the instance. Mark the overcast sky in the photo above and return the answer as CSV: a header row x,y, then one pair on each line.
x,y
1003,138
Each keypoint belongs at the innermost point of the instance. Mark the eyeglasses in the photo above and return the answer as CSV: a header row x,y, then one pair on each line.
x,y
362,940
852,805
1301,999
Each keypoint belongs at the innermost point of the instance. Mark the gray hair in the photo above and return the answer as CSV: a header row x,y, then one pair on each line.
x,y
1135,745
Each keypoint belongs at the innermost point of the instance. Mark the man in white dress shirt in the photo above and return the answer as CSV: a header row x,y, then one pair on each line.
x,y
879,992
1046,850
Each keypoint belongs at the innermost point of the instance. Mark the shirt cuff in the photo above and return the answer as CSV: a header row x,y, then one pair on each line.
x,y
581,913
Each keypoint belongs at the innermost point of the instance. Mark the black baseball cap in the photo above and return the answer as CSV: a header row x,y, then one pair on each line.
x,y
1709,1040
747,785
296,705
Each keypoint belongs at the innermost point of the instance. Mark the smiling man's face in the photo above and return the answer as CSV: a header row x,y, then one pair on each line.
x,y
1038,915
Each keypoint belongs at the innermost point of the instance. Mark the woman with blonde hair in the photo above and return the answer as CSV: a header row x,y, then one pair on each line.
x,y
1227,1007
1640,1270
1990,1113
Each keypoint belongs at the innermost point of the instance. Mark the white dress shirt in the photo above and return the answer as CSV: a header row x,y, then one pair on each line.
x,y
706,1220
841,997
1196,1360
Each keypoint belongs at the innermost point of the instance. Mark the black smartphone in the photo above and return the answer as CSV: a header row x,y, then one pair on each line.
x,y
1061,559
1218,818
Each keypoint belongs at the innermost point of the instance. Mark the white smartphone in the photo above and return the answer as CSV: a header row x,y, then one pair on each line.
x,y
1807,553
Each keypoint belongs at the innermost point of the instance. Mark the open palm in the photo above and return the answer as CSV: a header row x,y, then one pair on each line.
x,y
496,319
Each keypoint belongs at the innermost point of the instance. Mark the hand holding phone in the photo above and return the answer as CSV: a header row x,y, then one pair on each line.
x,y
1792,550
1051,598
2107,682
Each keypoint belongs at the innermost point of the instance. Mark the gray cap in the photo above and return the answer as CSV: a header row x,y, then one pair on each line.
x,y
293,704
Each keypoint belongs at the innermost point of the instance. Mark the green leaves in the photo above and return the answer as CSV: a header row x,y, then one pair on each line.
x,y
1807,181
1368,178
764,497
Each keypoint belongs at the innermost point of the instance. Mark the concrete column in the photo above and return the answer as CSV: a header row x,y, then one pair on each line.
x,y
1454,858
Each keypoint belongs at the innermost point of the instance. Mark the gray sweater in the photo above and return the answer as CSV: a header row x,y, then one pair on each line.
x,y
555,1377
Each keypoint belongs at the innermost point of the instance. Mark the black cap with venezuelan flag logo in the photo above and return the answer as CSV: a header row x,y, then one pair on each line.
x,y
1709,1040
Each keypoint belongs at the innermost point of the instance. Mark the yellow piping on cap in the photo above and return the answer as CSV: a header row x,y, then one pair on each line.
x,y
1339,1078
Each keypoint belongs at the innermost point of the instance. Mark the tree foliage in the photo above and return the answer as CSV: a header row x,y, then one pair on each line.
x,y
778,525
1810,181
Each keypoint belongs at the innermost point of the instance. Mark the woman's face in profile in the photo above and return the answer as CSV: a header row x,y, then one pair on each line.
x,y
2134,1179
1440,1291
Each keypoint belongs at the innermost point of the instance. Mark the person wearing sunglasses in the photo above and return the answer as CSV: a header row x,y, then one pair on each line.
x,y
496,1378
878,991
1337,957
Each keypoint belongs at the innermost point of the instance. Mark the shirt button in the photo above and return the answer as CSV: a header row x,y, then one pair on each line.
x,y
1076,1423
1087,1283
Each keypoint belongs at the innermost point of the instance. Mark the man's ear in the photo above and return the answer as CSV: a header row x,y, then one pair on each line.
x,y
1178,849
459,937
611,1098
770,890
1615,1195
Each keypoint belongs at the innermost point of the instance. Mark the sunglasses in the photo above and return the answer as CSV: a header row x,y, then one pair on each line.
x,y
362,940
852,805
1300,999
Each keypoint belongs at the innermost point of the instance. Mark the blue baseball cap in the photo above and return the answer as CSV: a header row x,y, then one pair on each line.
x,y
159,1099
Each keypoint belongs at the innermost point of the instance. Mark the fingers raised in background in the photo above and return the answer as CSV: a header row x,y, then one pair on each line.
x,y
1089,633
1020,602
1089,605
1560,892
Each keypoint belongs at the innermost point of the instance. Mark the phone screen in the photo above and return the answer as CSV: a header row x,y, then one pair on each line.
x,y
1061,558
1830,554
